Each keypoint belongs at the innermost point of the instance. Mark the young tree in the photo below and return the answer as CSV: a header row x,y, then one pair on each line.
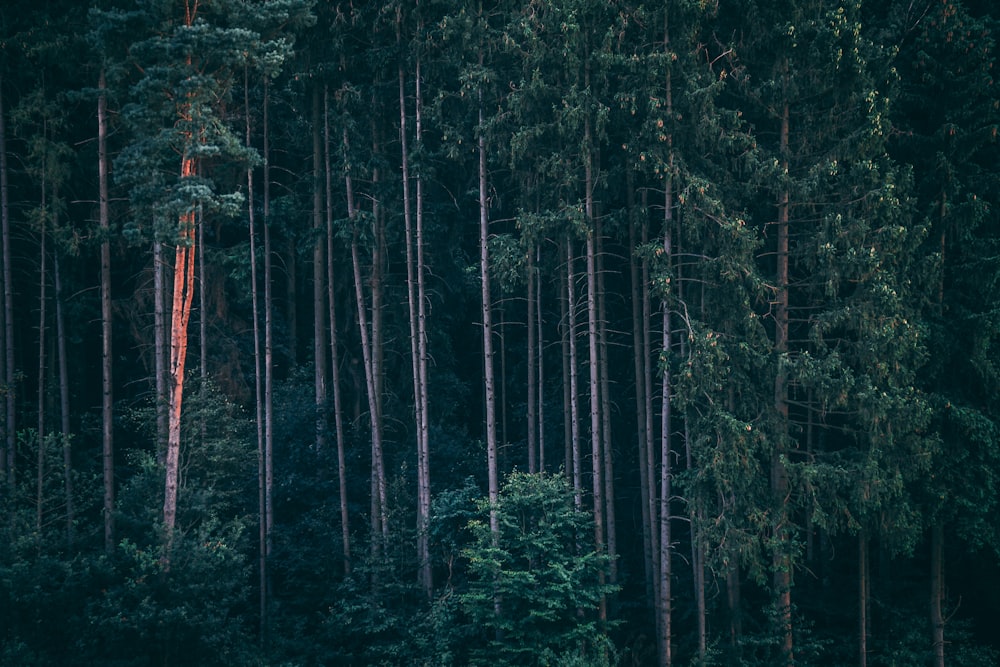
x,y
534,596
187,63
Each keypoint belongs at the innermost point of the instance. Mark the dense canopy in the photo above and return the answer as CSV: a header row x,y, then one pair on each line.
x,y
547,332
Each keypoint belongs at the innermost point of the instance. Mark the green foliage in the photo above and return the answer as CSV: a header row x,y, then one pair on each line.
x,y
195,611
535,587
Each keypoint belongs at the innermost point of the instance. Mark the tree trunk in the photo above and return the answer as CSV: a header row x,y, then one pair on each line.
x,y
937,593
64,429
594,366
665,593
160,347
417,314
640,364
610,521
863,598
42,330
698,567
258,388
532,440
319,272
486,305
567,385
574,395
377,334
424,457
782,578
338,415
268,339
379,530
107,398
540,354
734,602
202,321
665,604
291,261
180,314
8,464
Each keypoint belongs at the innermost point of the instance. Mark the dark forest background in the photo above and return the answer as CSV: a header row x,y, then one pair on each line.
x,y
551,332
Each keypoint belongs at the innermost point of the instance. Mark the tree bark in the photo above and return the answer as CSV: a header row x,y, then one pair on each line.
x,y
268,338
319,274
379,529
107,397
413,208
567,384
665,591
594,366
532,439
665,602
42,330
574,395
937,593
863,598
640,364
338,415
782,577
180,314
64,420
423,459
486,305
258,385
610,520
540,354
10,395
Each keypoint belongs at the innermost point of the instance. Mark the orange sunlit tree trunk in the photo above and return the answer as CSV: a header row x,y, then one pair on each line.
x,y
185,68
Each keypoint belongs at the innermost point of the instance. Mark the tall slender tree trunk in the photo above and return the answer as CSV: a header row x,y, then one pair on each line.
x,y
532,439
42,331
319,276
291,271
268,339
180,314
734,602
369,337
540,355
937,593
649,429
338,414
107,397
257,381
486,305
863,598
610,519
640,364
377,333
574,394
594,366
64,421
10,395
424,456
564,358
160,347
696,517
665,589
782,577
413,208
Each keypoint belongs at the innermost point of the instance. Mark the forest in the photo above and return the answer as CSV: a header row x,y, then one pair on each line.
x,y
500,332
